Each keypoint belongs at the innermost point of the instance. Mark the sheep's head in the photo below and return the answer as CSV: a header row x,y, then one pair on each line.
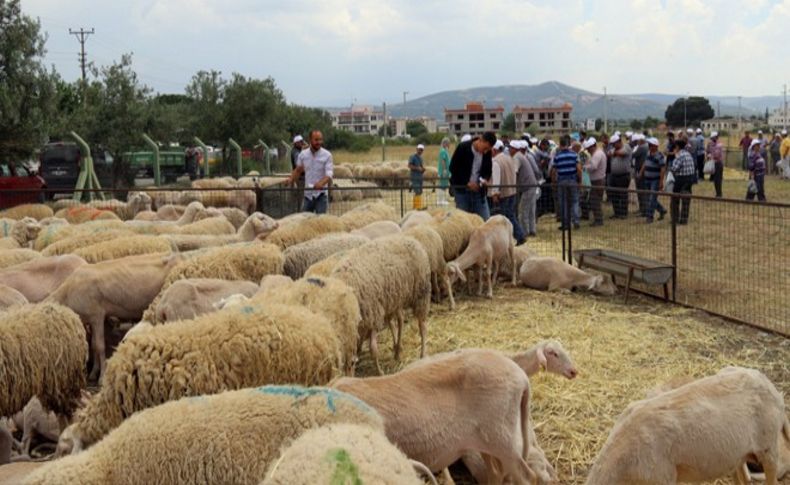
x,y
69,442
139,202
262,224
604,285
26,229
555,359
455,273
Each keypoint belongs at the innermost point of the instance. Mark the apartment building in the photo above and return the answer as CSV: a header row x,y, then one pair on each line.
x,y
362,120
474,119
553,120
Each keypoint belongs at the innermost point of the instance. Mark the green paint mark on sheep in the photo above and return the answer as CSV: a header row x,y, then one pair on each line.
x,y
6,229
247,310
346,472
48,235
300,392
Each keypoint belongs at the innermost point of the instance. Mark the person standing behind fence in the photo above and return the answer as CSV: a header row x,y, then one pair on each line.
x,y
503,188
470,168
528,178
596,167
567,173
620,176
756,172
670,150
745,144
774,150
296,149
699,153
715,152
416,169
639,157
652,176
684,169
443,167
318,168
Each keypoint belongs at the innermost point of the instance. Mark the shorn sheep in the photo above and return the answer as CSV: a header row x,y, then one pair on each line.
x,y
378,229
545,273
38,278
348,453
364,214
324,296
299,257
43,349
189,298
120,288
304,230
388,276
242,346
245,262
255,225
174,442
10,297
698,432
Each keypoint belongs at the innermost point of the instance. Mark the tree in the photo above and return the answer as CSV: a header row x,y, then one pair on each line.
x,y
205,90
636,125
509,124
598,124
650,123
415,128
696,110
28,94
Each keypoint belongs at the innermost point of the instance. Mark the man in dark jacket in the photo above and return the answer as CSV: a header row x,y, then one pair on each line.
x,y
470,171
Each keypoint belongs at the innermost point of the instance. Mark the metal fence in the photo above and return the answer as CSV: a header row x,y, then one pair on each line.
x,y
731,258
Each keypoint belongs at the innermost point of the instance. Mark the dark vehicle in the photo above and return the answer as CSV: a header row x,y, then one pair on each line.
x,y
13,177
60,167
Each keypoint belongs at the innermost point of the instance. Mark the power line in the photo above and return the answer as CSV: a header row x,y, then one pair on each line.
x,y
82,35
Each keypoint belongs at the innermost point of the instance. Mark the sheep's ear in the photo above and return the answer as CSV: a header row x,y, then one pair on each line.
x,y
541,358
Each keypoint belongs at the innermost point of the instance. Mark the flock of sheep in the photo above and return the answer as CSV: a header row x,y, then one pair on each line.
x,y
224,342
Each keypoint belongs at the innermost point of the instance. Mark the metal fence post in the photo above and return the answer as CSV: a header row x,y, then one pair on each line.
x,y
259,199
567,216
401,203
674,232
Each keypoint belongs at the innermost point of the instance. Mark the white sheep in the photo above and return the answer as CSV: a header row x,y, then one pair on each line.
x,y
257,224
445,406
488,244
698,432
12,257
415,218
16,234
352,452
545,273
299,257
304,229
234,348
135,202
434,248
36,211
43,349
455,227
10,297
388,275
120,288
38,278
231,437
189,298
364,214
378,229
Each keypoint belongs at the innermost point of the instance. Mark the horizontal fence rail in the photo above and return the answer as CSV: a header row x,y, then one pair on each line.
x,y
730,256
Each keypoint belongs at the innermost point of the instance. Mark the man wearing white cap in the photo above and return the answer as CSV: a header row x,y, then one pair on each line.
x,y
620,176
416,169
466,137
756,171
715,152
639,157
502,194
652,176
527,177
596,168
298,146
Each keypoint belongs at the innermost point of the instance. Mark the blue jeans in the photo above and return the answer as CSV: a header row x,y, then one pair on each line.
x,y
474,202
507,207
569,192
319,205
653,202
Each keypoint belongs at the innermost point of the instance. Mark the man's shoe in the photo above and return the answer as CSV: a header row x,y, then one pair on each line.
x,y
661,215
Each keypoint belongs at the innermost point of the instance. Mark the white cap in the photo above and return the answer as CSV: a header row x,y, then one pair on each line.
x,y
516,144
420,147
498,146
689,130
616,133
714,134
589,142
759,132
754,142
634,137
653,141
615,138
298,138
699,130
784,132
466,137
533,140
629,134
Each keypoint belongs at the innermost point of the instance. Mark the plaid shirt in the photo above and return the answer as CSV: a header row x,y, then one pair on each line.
x,y
683,165
716,151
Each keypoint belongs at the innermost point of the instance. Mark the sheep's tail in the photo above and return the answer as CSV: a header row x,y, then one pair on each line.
x,y
423,471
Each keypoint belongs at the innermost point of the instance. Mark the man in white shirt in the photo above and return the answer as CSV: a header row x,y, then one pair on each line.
x,y
317,166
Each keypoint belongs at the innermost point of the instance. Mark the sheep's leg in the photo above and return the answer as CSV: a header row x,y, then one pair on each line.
x,y
400,333
492,469
449,287
512,251
489,267
423,322
96,323
435,289
374,350
768,460
480,270
469,283
741,475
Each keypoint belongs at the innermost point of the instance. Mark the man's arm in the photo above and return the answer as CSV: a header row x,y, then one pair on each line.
x,y
329,172
297,172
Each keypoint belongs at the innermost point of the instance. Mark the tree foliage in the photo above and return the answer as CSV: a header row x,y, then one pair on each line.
x,y
509,124
415,129
696,110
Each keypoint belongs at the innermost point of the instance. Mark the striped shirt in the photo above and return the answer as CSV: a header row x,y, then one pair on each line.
x,y
684,165
565,163
716,151
653,165
756,164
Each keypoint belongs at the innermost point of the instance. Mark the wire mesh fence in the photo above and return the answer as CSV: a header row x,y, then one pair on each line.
x,y
730,258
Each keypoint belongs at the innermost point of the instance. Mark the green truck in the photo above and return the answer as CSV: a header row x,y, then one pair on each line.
x,y
172,163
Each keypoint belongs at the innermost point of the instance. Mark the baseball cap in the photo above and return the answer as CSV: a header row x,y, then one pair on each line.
x,y
699,130
420,147
589,142
759,132
714,134
498,146
754,142
784,132
614,139
298,138
689,130
653,141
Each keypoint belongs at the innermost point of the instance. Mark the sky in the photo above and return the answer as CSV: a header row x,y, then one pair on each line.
x,y
335,52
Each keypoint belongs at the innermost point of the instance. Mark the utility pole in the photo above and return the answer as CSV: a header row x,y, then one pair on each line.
x,y
605,112
82,35
784,117
740,125
384,135
404,97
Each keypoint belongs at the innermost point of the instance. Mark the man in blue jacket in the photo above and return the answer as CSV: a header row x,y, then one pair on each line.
x,y
470,171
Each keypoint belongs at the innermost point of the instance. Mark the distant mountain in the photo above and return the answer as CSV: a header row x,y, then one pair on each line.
x,y
586,104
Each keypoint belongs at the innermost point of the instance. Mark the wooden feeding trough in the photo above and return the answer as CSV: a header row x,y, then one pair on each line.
x,y
631,268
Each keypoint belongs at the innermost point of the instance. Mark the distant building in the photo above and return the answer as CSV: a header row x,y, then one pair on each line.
x,y
589,125
362,120
554,120
777,119
726,123
474,119
398,125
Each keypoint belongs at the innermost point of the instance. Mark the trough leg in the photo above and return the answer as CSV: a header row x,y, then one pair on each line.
x,y
628,283
666,293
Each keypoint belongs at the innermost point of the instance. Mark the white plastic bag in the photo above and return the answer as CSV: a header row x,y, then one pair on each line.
x,y
751,187
709,168
669,183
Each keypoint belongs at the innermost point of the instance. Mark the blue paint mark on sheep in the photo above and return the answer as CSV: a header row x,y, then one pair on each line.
x,y
316,281
247,310
6,229
302,392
